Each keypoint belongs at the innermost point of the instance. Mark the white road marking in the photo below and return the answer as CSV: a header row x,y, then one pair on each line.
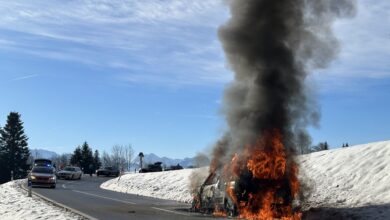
x,y
117,200
170,211
63,186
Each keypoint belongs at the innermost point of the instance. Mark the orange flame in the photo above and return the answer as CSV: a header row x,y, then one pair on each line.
x,y
273,184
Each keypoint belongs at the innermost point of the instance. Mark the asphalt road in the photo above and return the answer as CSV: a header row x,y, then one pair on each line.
x,y
86,196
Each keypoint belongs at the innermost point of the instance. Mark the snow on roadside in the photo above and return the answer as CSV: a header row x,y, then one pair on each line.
x,y
350,177
170,185
14,204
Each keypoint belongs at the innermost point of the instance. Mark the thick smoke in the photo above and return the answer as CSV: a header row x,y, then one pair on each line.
x,y
271,46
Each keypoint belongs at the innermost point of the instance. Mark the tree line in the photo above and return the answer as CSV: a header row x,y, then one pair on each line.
x,y
121,157
84,158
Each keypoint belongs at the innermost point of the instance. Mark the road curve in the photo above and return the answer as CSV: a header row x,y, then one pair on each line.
x,y
87,197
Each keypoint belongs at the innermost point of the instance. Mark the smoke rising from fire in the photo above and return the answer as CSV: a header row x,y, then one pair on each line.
x,y
271,47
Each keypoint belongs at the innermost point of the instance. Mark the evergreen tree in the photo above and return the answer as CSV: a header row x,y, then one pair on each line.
x,y
86,158
326,146
14,152
320,147
76,157
96,160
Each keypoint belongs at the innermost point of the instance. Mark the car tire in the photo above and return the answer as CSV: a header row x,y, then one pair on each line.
x,y
79,177
230,208
53,186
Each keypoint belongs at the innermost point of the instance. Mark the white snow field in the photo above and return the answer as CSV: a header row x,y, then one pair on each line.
x,y
171,185
14,204
354,181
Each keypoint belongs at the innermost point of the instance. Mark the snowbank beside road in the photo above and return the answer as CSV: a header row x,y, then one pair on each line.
x,y
349,177
171,185
14,204
353,177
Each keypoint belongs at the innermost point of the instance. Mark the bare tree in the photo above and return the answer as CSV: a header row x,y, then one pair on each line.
x,y
118,156
129,153
61,160
106,159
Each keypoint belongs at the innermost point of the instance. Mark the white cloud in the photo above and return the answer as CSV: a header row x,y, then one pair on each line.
x,y
24,77
170,41
365,44
130,35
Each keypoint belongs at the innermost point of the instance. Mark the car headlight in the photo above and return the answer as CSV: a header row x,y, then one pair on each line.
x,y
52,178
33,177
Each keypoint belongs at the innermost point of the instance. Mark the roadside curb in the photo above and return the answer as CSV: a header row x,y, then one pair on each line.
x,y
85,216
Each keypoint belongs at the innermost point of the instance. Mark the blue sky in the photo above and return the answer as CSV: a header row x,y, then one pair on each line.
x,y
152,73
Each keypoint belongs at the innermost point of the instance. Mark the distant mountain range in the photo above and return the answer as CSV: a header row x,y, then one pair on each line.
x,y
41,153
152,158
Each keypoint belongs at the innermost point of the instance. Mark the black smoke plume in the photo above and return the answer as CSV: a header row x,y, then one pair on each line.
x,y
271,46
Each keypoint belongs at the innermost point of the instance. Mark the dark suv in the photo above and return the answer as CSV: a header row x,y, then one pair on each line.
x,y
42,176
107,171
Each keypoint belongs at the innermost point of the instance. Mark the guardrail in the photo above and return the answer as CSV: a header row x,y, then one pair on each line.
x,y
67,208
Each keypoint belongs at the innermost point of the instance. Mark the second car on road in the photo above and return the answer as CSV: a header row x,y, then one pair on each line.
x,y
70,173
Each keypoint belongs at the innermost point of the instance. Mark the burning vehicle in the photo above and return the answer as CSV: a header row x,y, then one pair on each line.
x,y
212,197
271,46
260,187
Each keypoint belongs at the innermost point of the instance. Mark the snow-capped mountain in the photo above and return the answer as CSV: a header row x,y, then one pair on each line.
x,y
152,158
41,153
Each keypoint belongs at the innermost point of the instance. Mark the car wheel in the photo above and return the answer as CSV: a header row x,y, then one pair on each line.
x,y
53,186
80,177
72,177
231,208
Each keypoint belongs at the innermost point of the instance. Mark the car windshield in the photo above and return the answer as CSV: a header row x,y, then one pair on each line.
x,y
42,170
70,169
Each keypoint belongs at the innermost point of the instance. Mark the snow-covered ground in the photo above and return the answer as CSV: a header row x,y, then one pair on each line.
x,y
14,204
172,185
354,179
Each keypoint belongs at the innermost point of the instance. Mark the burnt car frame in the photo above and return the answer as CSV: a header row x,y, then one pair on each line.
x,y
212,196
